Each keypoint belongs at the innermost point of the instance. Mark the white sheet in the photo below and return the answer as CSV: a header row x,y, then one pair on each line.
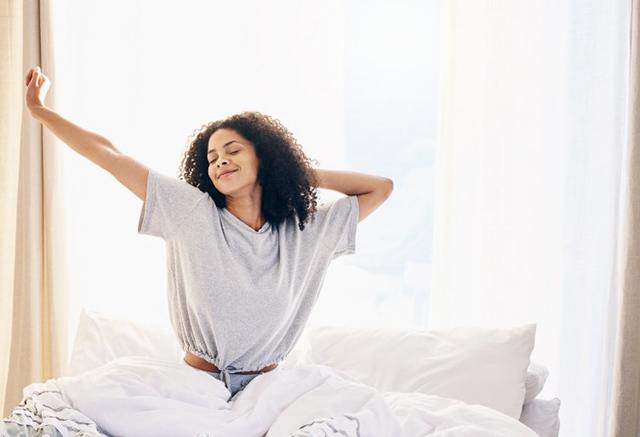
x,y
142,396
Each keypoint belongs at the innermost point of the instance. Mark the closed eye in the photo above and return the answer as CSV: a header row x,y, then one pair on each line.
x,y
232,153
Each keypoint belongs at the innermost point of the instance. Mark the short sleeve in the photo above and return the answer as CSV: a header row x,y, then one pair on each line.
x,y
168,203
336,224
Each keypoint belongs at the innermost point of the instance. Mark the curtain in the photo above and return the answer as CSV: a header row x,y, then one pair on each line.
x,y
33,301
625,407
528,169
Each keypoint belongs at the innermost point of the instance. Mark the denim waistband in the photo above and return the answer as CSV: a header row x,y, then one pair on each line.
x,y
225,374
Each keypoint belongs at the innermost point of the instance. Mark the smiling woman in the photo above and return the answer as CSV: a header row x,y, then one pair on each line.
x,y
272,178
252,165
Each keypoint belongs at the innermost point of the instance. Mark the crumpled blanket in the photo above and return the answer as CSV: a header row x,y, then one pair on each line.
x,y
44,412
139,396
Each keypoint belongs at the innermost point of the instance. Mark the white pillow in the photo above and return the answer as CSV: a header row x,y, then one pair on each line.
x,y
301,352
101,338
475,365
542,416
536,377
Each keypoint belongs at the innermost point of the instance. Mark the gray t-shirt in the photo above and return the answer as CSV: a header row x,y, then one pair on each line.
x,y
240,298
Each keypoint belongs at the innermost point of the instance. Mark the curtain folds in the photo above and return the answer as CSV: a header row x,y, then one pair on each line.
x,y
33,292
625,402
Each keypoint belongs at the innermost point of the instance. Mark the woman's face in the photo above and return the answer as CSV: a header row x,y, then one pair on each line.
x,y
228,150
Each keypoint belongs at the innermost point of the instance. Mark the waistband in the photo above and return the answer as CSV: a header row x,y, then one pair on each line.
x,y
225,374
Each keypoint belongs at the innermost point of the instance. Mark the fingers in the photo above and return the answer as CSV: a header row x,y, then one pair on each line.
x,y
31,75
38,76
34,74
27,79
34,78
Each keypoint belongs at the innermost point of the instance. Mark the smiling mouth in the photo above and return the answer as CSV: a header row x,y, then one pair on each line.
x,y
227,174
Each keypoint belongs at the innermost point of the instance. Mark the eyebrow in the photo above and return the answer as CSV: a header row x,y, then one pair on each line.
x,y
226,144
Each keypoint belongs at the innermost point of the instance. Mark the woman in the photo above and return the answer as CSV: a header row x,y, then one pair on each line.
x,y
247,248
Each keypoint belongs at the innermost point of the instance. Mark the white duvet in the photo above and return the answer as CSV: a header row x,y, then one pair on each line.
x,y
141,396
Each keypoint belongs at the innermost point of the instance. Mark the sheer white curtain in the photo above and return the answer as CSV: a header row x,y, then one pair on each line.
x,y
146,74
528,167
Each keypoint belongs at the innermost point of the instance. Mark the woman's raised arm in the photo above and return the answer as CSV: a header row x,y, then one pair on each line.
x,y
92,146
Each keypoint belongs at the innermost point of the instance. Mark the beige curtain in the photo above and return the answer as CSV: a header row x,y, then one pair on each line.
x,y
33,301
625,408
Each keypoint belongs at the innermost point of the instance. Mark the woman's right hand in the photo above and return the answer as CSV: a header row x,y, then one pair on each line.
x,y
37,87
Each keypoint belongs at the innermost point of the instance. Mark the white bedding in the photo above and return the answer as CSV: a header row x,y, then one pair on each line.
x,y
143,396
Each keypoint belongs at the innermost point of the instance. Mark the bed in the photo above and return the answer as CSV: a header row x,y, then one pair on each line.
x,y
128,379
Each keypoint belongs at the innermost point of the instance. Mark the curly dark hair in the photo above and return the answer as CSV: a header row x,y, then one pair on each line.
x,y
289,183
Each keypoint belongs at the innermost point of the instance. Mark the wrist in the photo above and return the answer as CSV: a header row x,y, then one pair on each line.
x,y
37,111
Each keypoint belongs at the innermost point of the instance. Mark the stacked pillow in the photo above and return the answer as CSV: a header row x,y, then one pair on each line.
x,y
541,415
537,375
366,355
485,366
101,338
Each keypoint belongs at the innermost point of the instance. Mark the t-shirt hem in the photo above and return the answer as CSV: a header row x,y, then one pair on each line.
x,y
352,227
247,368
147,207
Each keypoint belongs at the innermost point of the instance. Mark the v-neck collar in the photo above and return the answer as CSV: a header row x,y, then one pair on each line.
x,y
242,225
